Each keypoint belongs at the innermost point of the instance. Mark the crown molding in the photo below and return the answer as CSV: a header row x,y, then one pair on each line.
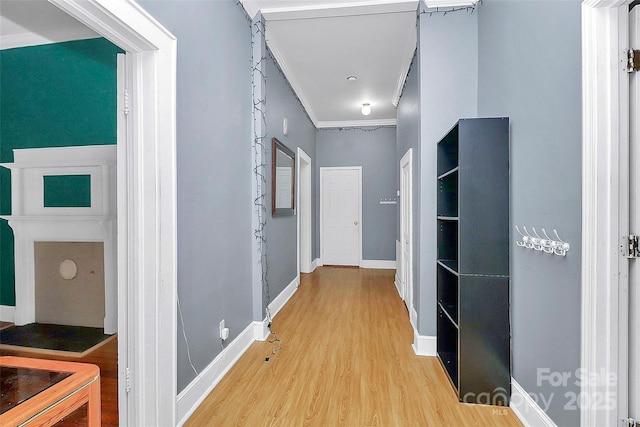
x,y
251,7
297,88
449,3
406,64
47,37
327,10
356,123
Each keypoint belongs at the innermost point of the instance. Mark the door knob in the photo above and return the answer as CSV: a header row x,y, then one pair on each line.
x,y
355,222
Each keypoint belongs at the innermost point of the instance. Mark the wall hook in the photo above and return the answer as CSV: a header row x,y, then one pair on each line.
x,y
546,244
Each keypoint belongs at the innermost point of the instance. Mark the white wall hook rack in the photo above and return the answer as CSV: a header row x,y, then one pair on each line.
x,y
544,243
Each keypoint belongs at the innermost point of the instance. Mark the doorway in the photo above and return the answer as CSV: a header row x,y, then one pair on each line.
x,y
304,212
341,215
146,198
406,230
609,324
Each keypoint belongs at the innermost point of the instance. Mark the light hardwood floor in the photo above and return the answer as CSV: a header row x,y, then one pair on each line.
x,y
346,360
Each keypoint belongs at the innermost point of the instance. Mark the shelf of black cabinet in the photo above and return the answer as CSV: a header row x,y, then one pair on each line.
x,y
450,264
449,172
450,362
448,310
448,218
448,195
447,152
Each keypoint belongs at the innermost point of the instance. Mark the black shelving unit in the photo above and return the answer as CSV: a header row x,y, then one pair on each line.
x,y
473,332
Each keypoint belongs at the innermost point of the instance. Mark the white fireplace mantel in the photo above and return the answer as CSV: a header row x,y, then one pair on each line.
x,y
32,221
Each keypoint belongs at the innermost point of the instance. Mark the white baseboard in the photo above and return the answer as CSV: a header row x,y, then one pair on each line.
x,y
424,345
316,263
374,263
527,409
278,302
413,318
7,313
194,394
261,329
396,281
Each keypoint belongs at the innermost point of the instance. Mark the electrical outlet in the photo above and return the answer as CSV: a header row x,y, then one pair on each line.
x,y
224,331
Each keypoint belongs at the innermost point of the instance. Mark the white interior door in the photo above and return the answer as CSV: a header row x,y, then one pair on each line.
x,y
406,253
340,207
634,226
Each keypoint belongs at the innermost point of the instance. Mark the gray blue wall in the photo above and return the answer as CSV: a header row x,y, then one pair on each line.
x,y
213,171
375,150
544,104
448,55
541,93
281,231
408,136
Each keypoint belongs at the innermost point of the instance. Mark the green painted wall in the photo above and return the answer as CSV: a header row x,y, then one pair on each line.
x,y
54,95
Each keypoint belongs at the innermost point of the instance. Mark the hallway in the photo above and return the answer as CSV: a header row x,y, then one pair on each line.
x,y
346,359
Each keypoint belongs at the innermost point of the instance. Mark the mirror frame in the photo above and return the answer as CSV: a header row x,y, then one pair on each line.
x,y
275,147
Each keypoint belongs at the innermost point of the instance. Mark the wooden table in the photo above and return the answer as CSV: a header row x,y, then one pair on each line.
x,y
37,392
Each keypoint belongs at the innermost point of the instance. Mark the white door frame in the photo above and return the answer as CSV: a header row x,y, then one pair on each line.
x,y
605,203
332,168
304,239
147,355
407,160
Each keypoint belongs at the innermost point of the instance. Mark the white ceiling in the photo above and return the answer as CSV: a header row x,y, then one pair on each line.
x,y
317,43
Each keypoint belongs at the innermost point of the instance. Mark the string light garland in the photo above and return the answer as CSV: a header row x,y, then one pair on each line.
x,y
259,147
446,10
359,129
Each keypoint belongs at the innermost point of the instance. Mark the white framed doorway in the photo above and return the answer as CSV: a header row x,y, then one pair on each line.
x,y
406,231
304,212
633,319
341,215
605,212
146,186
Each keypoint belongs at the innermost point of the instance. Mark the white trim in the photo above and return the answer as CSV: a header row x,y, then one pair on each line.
x,y
147,216
407,288
406,64
332,168
527,409
338,9
252,7
278,302
605,140
396,278
260,330
46,37
315,264
304,266
293,81
375,263
355,123
413,317
449,3
424,345
194,394
7,313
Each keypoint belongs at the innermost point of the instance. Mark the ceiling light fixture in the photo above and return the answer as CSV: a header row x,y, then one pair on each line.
x,y
366,109
352,79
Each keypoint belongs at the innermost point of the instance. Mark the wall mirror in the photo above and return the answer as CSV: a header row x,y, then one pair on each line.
x,y
283,165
